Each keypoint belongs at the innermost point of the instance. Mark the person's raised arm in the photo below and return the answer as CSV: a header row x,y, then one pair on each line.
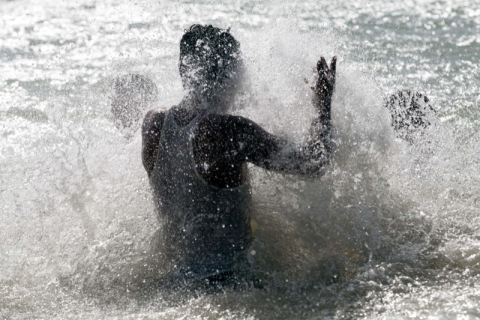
x,y
321,128
312,158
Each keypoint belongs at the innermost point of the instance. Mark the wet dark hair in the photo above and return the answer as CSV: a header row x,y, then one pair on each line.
x,y
208,56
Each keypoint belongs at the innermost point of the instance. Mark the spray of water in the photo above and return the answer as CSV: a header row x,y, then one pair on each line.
x,y
79,221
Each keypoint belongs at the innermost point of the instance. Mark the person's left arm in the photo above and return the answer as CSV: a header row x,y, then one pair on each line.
x,y
151,131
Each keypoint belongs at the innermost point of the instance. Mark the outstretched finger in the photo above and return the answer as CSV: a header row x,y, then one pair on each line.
x,y
322,65
333,65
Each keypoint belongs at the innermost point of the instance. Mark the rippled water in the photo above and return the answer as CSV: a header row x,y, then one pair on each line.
x,y
391,231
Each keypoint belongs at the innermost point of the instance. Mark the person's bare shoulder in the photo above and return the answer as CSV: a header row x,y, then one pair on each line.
x,y
151,131
153,121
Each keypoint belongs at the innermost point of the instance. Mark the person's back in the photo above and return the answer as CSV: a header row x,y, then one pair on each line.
x,y
208,225
196,155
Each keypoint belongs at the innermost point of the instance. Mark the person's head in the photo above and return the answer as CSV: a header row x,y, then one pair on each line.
x,y
210,61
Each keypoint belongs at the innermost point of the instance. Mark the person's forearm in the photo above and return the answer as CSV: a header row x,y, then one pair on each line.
x,y
320,143
312,158
322,102
316,154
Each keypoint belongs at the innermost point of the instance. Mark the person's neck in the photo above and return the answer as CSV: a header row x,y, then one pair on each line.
x,y
200,101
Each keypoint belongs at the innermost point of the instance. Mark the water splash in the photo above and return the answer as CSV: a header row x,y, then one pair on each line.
x,y
389,220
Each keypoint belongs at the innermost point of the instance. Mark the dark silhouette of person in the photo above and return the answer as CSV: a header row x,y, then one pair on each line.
x,y
196,154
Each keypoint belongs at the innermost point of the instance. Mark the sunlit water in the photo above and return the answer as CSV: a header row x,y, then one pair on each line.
x,y
391,231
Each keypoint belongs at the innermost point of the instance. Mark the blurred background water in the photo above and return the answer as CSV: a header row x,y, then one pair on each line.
x,y
391,231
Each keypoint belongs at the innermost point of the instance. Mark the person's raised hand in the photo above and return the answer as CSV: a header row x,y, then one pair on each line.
x,y
325,85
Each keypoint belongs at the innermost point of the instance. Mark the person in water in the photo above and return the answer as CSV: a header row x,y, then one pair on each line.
x,y
196,155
